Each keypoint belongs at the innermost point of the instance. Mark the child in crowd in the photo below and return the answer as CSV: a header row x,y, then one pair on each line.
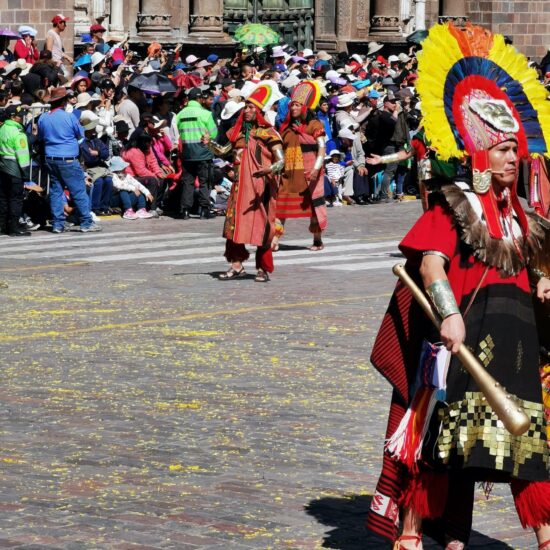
x,y
333,178
132,193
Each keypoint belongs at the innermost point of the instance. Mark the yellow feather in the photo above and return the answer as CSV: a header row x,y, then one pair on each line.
x,y
440,51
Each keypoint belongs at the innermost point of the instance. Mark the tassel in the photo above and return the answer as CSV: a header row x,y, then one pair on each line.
x,y
532,500
426,494
405,445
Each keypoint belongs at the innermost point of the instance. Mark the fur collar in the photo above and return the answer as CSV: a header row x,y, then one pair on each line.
x,y
498,253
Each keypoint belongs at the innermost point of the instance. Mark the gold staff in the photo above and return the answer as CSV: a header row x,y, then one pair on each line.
x,y
503,404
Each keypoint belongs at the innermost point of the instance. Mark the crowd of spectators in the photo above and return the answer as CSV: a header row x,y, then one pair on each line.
x,y
115,132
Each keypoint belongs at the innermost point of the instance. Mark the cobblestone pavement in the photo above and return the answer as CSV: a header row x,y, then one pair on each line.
x,y
146,404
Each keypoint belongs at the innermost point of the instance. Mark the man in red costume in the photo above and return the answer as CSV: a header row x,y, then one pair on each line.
x,y
259,159
302,192
472,253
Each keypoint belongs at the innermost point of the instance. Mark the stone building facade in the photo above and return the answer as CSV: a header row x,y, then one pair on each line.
x,y
333,25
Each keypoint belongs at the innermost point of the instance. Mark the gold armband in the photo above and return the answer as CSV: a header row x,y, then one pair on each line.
x,y
390,159
219,150
442,298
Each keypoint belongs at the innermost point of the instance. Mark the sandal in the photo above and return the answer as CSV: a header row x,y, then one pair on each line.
x,y
402,538
317,246
232,273
261,276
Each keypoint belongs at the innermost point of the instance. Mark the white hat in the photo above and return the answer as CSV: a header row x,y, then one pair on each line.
x,y
259,49
323,55
89,120
403,57
393,59
190,59
290,82
248,88
117,164
97,58
345,100
26,29
278,52
347,134
204,63
231,107
307,53
357,57
20,65
374,47
235,93
335,152
83,99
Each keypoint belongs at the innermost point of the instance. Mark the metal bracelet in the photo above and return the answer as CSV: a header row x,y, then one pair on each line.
x,y
437,253
321,142
390,159
539,273
319,162
279,164
442,298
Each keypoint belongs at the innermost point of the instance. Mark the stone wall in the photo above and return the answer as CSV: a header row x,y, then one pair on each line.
x,y
528,23
38,14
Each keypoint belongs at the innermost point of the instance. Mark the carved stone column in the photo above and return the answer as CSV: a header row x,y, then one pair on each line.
x,y
116,20
453,10
207,18
153,19
386,19
420,15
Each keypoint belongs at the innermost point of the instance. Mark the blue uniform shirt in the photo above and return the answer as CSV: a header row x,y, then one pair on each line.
x,y
60,132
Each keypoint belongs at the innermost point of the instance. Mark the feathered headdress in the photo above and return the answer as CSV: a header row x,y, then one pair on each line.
x,y
472,84
476,91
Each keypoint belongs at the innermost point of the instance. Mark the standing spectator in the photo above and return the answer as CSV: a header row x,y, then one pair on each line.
x,y
193,122
25,48
54,42
387,122
60,133
96,33
355,166
15,169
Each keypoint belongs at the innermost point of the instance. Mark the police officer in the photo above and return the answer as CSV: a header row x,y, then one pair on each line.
x,y
15,170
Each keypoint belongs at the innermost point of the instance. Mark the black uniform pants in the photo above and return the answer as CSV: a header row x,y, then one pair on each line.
x,y
191,170
11,202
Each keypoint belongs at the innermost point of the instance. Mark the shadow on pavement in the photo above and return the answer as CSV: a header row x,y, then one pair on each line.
x,y
346,515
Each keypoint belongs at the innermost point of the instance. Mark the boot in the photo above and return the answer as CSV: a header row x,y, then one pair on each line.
x,y
19,231
206,213
184,214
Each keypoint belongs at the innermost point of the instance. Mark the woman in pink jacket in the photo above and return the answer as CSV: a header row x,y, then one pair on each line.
x,y
144,167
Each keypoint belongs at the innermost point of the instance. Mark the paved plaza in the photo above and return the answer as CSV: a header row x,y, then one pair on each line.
x,y
145,404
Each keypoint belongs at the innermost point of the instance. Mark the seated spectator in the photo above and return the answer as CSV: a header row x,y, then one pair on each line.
x,y
132,194
143,165
94,155
334,177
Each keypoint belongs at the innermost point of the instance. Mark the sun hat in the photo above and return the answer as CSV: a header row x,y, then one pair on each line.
x,y
78,78
118,164
345,100
85,59
346,133
26,29
231,107
97,58
204,63
403,57
57,94
335,78
89,120
335,152
323,55
393,59
374,47
83,99
278,52
307,53
190,59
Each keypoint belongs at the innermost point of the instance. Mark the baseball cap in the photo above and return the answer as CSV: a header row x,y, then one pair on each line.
x,y
59,18
12,110
212,58
190,59
194,93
